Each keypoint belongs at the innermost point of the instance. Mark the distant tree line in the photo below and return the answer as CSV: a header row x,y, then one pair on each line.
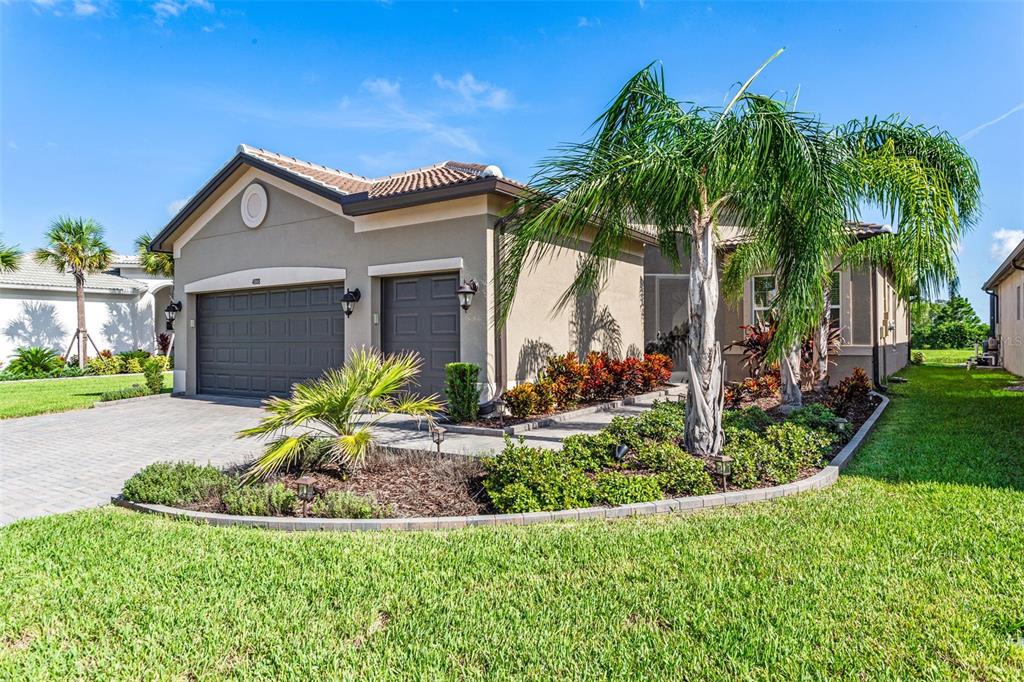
x,y
946,324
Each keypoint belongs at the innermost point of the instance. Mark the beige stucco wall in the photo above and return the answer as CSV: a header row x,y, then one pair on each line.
x,y
612,320
303,231
1010,328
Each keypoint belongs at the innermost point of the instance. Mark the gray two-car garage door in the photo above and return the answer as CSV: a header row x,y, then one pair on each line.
x,y
260,342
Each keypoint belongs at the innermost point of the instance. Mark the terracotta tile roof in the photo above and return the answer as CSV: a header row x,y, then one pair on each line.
x,y
731,235
438,175
33,275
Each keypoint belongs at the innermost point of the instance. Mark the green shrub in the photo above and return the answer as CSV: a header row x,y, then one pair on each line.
x,y
34,362
546,392
137,354
164,361
260,500
460,388
590,451
749,419
521,401
133,391
665,422
814,416
527,479
106,364
132,366
917,358
617,488
336,504
777,456
744,446
175,483
153,369
678,472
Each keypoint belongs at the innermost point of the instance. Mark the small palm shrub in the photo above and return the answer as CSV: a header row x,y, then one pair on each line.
x,y
175,483
527,479
154,372
133,391
333,419
34,362
336,504
260,500
460,388
617,488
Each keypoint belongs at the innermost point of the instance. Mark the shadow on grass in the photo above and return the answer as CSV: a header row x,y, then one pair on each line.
x,y
946,425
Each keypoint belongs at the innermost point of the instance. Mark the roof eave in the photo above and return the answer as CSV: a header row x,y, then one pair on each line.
x,y
1004,269
361,204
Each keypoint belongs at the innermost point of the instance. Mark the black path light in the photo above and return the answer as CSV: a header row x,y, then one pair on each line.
x,y
466,291
723,467
349,299
437,435
499,409
305,491
171,312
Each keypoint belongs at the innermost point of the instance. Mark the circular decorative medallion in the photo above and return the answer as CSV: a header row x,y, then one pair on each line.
x,y
254,205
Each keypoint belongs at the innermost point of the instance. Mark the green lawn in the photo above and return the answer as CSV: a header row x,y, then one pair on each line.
x,y
24,398
947,356
909,568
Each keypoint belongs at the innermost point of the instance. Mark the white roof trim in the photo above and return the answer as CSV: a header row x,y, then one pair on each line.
x,y
415,267
260,278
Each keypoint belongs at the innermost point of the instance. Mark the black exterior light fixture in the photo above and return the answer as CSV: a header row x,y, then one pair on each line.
x,y
437,435
499,409
620,452
171,312
349,299
305,491
466,291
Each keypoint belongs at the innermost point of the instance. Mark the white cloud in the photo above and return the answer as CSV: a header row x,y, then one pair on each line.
x,y
167,9
78,8
974,131
1004,241
382,87
84,8
587,22
176,205
210,28
476,94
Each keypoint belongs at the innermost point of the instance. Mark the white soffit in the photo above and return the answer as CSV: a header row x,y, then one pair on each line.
x,y
259,278
415,267
418,215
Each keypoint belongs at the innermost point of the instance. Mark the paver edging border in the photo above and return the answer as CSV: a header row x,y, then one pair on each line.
x,y
823,479
541,422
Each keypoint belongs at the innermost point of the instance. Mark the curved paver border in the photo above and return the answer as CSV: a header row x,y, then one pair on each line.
x,y
823,479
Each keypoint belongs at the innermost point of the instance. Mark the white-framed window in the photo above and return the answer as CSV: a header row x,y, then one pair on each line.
x,y
764,291
835,301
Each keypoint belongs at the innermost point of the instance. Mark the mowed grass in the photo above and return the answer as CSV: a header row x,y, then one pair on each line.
x,y
909,568
947,356
25,398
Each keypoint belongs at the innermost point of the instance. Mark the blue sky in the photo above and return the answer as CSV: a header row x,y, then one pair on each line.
x,y
119,111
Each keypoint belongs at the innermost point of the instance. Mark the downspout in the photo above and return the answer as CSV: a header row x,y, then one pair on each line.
x,y
501,338
874,328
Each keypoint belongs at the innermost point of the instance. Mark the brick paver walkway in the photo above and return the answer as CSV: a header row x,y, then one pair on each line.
x,y
73,460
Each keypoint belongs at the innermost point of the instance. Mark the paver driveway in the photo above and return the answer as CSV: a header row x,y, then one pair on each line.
x,y
61,462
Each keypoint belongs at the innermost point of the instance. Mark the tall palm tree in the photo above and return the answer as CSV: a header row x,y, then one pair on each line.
x,y
927,185
76,245
9,256
677,170
159,264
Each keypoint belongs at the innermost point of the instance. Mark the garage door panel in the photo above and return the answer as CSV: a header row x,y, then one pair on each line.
x,y
421,314
262,342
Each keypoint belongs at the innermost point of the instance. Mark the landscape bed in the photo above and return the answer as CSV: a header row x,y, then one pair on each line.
x,y
633,460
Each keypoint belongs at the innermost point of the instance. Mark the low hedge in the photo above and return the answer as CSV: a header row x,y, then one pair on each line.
x,y
175,483
133,391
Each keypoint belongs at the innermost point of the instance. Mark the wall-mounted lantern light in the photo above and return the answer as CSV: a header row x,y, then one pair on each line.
x,y
349,299
466,291
171,312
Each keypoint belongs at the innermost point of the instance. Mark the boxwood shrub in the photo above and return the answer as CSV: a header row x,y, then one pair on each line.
x,y
617,488
460,387
133,391
526,479
175,483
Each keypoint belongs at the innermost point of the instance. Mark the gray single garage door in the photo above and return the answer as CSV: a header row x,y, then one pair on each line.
x,y
421,314
260,342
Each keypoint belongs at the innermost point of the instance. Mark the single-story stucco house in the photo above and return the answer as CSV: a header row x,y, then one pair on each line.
x,y
1006,317
123,307
267,248
874,321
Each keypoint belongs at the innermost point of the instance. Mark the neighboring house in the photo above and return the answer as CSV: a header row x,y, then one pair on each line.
x,y
875,323
1006,295
266,249
123,307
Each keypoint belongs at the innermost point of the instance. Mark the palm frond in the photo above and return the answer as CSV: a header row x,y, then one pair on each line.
x,y
9,257
159,264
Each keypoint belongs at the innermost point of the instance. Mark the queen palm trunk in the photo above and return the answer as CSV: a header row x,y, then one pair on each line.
x,y
790,376
821,343
706,393
83,336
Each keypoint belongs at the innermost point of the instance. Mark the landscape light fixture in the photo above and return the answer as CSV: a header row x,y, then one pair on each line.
x,y
723,467
171,312
466,291
349,300
305,491
620,452
437,435
499,409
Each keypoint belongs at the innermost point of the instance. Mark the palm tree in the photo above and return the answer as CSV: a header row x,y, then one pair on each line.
x,y
159,264
76,245
928,186
333,418
9,256
677,170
